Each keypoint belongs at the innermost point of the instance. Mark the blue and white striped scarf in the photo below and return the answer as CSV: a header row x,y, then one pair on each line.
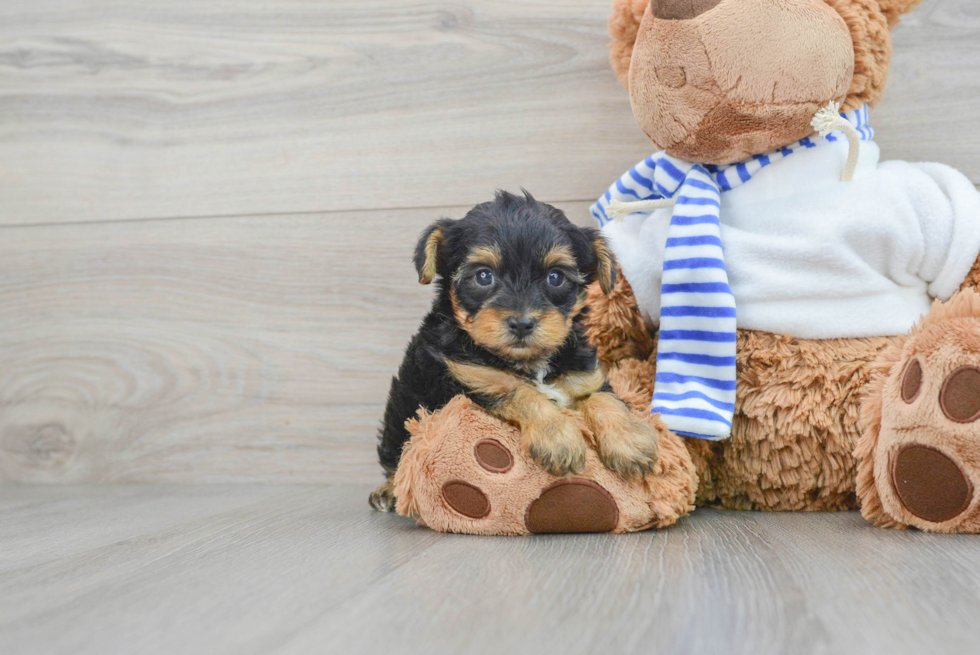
x,y
694,390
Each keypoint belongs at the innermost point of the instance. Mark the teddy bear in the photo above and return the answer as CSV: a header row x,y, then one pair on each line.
x,y
799,320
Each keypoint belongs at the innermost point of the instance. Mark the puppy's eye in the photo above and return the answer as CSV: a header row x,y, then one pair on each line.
x,y
556,278
484,277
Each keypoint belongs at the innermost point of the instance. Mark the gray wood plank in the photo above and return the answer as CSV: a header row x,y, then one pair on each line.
x,y
232,581
118,109
931,108
719,582
234,349
35,525
313,570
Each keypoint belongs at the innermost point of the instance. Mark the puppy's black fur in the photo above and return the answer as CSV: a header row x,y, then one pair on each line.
x,y
511,278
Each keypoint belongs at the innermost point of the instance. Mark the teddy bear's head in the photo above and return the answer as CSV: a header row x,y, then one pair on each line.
x,y
717,81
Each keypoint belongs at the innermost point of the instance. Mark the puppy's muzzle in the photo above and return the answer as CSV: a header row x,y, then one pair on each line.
x,y
521,326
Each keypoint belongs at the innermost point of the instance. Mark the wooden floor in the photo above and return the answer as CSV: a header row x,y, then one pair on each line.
x,y
275,569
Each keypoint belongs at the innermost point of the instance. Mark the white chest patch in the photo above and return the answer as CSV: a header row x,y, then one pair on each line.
x,y
550,391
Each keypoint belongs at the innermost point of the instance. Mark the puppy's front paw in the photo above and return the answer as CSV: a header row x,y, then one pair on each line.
x,y
383,498
556,444
630,449
626,442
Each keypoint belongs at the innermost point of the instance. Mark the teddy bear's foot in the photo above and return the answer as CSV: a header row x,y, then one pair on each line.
x,y
466,471
919,458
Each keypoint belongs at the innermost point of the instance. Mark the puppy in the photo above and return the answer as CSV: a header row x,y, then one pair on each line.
x,y
506,330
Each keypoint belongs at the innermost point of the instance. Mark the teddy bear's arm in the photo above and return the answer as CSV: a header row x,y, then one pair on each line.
x,y
615,326
972,280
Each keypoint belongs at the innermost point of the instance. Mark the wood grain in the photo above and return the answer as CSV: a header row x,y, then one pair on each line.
x,y
254,344
117,109
247,349
296,570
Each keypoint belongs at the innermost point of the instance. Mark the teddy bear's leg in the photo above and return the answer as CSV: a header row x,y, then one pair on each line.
x,y
795,427
466,471
919,455
614,325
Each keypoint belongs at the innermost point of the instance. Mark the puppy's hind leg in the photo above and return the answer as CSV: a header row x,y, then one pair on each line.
x,y
382,499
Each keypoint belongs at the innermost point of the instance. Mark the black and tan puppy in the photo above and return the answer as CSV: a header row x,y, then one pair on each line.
x,y
505,329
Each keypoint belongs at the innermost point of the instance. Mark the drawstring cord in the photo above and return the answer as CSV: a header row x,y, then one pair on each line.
x,y
619,209
829,119
824,122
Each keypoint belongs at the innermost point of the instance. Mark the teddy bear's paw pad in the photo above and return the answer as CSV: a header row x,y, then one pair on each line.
x,y
960,395
929,484
572,506
466,499
492,456
925,458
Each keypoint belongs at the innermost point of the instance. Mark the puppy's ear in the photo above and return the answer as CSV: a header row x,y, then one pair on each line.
x,y
594,257
605,270
427,250
605,265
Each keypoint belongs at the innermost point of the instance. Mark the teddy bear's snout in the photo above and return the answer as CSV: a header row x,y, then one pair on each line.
x,y
681,9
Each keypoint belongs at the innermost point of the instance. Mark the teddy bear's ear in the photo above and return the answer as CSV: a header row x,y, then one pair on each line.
x,y
624,23
893,9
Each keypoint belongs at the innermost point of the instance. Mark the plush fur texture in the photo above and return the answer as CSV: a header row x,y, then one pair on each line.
x,y
944,342
798,410
718,87
441,451
796,417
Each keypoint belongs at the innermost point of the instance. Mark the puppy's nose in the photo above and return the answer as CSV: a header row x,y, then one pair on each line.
x,y
521,326
681,9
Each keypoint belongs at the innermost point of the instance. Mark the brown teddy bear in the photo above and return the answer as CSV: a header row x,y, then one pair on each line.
x,y
768,201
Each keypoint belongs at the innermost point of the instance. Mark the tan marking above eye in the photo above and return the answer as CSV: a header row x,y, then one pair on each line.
x,y
559,256
912,381
486,255
960,396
